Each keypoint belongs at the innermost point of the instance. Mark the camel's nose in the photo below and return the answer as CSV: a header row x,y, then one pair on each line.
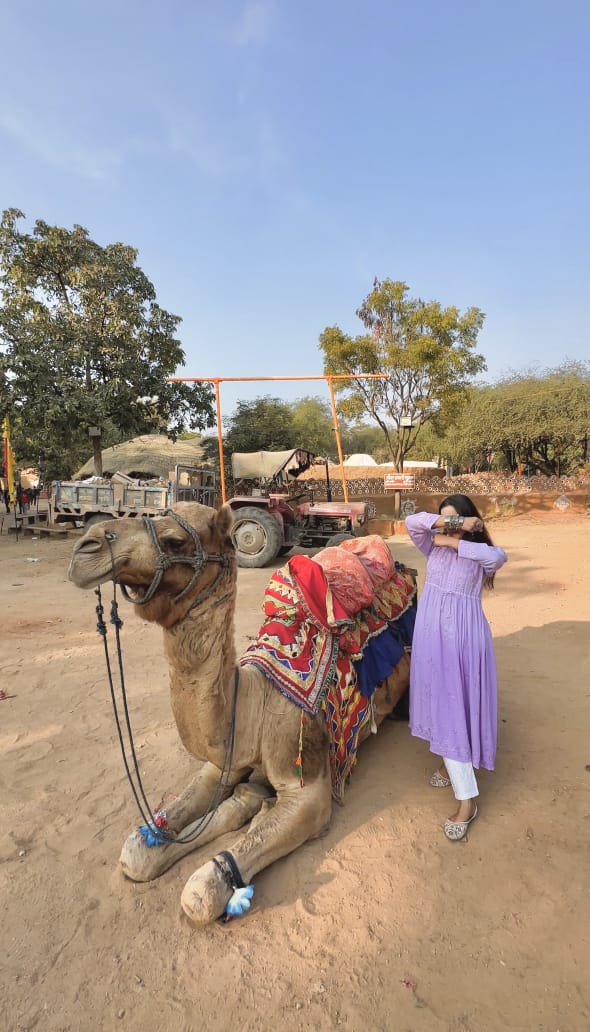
x,y
89,543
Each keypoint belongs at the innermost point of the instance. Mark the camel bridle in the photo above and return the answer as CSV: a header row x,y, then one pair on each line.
x,y
197,562
155,821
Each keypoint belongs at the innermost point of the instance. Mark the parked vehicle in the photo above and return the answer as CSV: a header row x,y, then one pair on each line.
x,y
269,522
84,502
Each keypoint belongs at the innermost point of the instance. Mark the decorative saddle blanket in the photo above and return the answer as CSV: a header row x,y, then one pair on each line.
x,y
297,644
323,658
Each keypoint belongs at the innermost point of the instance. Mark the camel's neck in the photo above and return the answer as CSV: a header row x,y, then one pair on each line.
x,y
201,655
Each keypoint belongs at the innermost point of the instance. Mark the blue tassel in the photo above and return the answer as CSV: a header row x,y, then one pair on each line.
x,y
151,835
240,901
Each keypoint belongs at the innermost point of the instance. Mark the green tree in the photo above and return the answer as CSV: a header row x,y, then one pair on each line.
x,y
83,343
364,439
313,426
539,419
427,352
434,444
265,424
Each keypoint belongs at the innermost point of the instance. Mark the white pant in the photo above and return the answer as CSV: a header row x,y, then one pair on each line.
x,y
462,778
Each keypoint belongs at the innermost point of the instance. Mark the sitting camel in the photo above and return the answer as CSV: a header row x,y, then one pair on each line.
x,y
180,570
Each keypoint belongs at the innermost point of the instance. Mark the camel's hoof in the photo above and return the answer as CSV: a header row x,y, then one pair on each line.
x,y
141,862
205,895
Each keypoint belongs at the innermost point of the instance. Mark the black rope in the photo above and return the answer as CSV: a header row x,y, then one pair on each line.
x,y
162,835
228,868
103,630
117,624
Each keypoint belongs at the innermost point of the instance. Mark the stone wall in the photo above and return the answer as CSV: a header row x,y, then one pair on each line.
x,y
489,506
495,494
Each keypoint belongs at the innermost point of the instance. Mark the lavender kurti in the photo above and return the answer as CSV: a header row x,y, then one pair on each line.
x,y
453,686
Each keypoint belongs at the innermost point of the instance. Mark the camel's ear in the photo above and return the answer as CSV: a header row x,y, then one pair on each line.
x,y
224,521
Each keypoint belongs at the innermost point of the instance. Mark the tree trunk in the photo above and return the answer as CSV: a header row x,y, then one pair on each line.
x,y
397,495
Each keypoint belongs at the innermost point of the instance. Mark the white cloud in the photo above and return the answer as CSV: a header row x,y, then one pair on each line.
x,y
245,145
49,142
255,23
213,155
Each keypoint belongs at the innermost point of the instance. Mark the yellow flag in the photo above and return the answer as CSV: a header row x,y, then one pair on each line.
x,y
8,460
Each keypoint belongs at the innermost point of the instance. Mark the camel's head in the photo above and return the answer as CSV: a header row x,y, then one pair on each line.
x,y
165,564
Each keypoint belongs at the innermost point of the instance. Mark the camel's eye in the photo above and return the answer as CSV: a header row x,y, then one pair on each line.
x,y
109,536
173,540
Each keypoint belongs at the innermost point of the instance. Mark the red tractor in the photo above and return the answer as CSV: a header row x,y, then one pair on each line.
x,y
269,522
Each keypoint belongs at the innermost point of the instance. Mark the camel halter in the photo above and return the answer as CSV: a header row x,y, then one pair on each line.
x,y
155,822
197,562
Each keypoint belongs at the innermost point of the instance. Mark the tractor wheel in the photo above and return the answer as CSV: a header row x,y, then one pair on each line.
x,y
256,535
97,517
337,538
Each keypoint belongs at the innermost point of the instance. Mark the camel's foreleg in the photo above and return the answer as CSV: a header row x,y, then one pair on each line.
x,y
141,862
298,814
197,796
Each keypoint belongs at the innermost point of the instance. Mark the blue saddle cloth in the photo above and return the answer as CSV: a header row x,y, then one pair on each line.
x,y
384,651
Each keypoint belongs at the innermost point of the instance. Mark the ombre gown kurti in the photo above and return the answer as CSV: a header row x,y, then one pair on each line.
x,y
453,684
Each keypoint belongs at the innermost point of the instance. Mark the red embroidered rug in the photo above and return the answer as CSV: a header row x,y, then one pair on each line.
x,y
306,647
297,644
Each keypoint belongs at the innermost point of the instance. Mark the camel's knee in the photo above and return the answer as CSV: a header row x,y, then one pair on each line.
x,y
263,812
309,807
252,796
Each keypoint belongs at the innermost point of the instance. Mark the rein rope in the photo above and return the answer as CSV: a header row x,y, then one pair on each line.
x,y
153,819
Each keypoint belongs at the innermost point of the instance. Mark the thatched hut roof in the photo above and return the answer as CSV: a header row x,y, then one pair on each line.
x,y
147,457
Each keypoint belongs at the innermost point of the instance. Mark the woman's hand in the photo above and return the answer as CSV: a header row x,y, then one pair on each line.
x,y
471,524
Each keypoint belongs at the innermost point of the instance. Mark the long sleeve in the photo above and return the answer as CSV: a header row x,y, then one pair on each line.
x,y
489,556
419,527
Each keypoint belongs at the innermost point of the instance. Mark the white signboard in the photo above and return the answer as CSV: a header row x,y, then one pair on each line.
x,y
399,481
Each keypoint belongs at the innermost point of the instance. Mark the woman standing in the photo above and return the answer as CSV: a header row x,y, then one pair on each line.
x,y
453,687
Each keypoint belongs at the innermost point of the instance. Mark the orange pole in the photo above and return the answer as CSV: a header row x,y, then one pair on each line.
x,y
256,379
220,442
338,441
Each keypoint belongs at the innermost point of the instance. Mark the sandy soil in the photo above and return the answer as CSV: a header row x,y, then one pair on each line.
x,y
380,925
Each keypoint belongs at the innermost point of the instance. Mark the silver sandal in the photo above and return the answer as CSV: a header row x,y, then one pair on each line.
x,y
439,781
456,830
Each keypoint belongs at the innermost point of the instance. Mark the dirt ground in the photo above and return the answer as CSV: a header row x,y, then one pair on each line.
x,y
380,925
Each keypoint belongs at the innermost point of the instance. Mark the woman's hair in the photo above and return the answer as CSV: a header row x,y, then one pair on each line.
x,y
465,507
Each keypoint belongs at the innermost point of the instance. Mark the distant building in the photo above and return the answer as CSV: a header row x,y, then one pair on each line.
x,y
360,460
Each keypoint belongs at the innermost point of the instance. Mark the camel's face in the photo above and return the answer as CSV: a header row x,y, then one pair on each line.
x,y
123,550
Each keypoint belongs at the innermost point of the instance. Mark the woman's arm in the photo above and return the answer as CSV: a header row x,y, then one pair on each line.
x,y
489,556
420,527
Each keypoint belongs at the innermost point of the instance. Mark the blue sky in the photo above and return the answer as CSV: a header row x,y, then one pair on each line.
x,y
268,158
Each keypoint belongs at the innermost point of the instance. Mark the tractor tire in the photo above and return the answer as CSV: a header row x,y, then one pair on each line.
x,y
256,535
337,538
97,517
